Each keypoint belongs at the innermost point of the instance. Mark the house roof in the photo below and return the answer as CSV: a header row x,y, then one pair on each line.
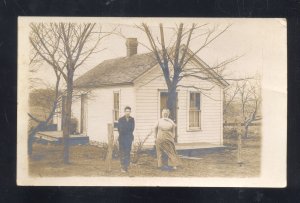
x,y
122,70
125,70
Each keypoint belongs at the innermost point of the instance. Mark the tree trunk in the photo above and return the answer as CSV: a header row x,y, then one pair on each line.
x,y
67,118
246,130
171,103
172,106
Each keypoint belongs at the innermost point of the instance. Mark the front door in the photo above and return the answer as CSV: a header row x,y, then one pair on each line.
x,y
163,104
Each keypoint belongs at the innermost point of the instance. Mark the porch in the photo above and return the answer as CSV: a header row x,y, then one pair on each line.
x,y
57,137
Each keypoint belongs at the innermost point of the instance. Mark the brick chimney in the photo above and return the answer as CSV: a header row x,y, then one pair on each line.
x,y
131,44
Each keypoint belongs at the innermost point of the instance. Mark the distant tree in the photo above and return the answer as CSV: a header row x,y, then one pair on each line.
x,y
229,97
250,100
66,47
44,100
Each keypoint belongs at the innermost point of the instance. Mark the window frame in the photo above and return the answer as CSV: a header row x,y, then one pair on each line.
x,y
113,111
159,101
189,128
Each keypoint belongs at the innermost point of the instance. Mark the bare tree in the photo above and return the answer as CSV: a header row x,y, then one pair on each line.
x,y
50,95
250,99
65,47
173,57
245,98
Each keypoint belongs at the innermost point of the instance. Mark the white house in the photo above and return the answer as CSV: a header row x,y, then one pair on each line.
x,y
137,81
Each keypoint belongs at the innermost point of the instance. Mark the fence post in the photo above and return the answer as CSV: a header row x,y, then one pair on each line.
x,y
239,150
108,159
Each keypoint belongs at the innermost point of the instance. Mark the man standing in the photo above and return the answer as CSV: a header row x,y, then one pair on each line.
x,y
125,128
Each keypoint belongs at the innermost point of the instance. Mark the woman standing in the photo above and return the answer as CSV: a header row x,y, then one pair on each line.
x,y
165,134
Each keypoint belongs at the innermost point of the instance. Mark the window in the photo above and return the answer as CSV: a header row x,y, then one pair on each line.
x,y
163,104
194,111
116,109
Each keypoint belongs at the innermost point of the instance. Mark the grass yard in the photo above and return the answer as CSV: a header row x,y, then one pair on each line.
x,y
87,160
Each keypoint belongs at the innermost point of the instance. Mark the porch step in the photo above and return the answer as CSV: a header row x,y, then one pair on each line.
x,y
196,145
57,138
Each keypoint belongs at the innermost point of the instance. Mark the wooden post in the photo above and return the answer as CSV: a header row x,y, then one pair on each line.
x,y
239,150
108,159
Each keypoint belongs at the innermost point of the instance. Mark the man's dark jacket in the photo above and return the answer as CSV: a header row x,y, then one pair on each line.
x,y
126,128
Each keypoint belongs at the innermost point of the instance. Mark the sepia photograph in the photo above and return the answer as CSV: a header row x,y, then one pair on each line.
x,y
152,102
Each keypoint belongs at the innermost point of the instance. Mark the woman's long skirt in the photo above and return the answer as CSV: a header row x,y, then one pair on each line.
x,y
168,147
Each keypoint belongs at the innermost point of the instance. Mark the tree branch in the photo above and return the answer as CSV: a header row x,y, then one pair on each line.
x,y
206,43
200,90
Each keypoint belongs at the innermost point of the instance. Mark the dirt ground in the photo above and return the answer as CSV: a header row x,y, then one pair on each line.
x,y
87,160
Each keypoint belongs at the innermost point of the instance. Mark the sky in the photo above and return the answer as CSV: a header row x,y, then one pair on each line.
x,y
262,42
